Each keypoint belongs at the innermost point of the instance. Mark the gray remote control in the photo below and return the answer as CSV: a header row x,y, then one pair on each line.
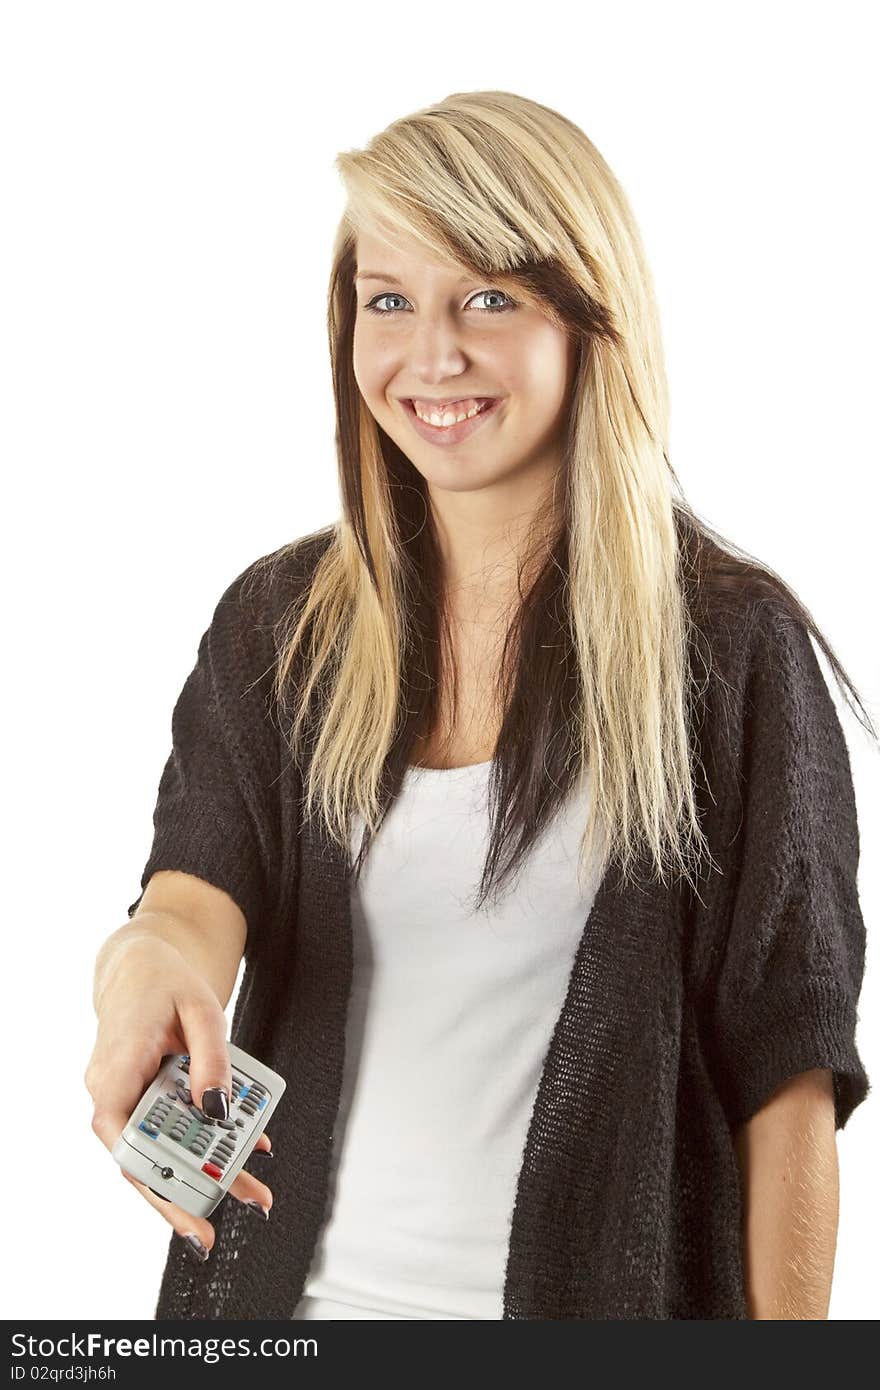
x,y
181,1153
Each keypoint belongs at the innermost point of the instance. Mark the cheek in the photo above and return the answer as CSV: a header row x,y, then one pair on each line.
x,y
533,364
548,372
372,369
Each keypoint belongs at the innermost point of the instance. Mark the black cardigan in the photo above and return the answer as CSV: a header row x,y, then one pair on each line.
x,y
682,1013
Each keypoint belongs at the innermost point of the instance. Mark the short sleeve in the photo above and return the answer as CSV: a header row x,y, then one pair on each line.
x,y
214,815
786,993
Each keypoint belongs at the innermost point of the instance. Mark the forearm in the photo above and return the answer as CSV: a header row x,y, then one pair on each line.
x,y
189,939
788,1159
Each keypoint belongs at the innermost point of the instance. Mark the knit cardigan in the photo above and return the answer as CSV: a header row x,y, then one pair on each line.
x,y
683,1011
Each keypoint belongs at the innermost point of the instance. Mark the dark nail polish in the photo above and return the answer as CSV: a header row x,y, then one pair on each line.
x,y
258,1209
263,1153
215,1102
199,1252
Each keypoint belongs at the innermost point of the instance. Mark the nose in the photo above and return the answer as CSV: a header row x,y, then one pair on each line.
x,y
434,351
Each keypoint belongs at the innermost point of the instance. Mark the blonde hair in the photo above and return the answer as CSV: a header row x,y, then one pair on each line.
x,y
595,676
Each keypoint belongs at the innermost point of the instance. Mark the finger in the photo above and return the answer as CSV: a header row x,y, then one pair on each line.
x,y
117,1089
204,1027
246,1188
109,1124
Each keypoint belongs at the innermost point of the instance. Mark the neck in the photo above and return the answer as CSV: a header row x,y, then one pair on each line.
x,y
483,550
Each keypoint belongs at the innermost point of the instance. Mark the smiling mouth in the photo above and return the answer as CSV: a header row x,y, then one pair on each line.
x,y
452,407
458,431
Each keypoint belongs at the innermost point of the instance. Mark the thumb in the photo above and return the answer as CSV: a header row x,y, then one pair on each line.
x,y
203,1024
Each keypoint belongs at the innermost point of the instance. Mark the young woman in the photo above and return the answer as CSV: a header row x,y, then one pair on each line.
x,y
523,796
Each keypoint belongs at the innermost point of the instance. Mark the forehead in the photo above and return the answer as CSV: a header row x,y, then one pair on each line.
x,y
402,258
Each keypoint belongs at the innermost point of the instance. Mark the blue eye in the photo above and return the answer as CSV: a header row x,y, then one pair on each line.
x,y
373,305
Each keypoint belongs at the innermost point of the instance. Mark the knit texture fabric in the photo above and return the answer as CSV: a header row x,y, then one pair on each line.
x,y
683,1012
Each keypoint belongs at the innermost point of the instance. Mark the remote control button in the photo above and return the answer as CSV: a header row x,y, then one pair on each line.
x,y
212,1170
200,1114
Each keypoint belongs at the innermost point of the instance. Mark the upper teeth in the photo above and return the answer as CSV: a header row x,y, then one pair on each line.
x,y
448,416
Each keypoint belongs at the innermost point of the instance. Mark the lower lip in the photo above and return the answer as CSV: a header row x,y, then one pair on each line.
x,y
450,434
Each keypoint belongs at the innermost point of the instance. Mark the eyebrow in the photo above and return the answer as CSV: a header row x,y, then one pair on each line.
x,y
393,280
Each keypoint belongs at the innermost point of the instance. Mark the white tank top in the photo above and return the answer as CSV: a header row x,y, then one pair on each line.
x,y
449,1021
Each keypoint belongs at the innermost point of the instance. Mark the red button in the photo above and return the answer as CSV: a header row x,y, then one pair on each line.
x,y
212,1170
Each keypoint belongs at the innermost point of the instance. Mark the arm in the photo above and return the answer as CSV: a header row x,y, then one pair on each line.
x,y
199,920
787,1157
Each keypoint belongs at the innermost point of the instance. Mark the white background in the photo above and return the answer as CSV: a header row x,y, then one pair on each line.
x,y
169,206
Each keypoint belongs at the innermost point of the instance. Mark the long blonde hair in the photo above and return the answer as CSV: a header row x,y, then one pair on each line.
x,y
595,677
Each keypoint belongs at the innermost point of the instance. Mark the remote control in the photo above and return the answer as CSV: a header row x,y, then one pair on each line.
x,y
181,1153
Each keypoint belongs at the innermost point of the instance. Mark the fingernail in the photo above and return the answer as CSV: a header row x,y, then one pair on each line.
x,y
215,1102
264,1153
200,1252
258,1209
